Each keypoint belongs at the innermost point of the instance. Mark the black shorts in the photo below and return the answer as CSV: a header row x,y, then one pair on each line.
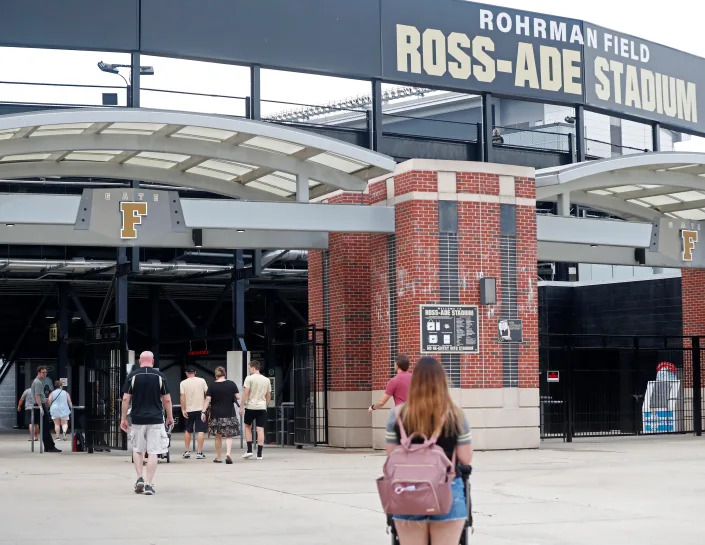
x,y
259,417
194,422
28,417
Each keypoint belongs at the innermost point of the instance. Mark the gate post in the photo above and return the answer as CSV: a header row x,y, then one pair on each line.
x,y
569,396
697,389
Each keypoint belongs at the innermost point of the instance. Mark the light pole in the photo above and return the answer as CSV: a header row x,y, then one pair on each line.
x,y
113,69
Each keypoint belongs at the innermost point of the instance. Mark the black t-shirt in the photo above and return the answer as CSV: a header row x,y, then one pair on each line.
x,y
222,396
146,386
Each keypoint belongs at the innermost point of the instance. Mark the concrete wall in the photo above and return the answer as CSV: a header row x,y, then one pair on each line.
x,y
8,402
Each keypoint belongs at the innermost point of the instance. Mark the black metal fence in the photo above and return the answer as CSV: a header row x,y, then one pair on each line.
x,y
598,385
310,386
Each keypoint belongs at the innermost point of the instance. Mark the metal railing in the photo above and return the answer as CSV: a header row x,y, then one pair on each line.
x,y
534,139
604,150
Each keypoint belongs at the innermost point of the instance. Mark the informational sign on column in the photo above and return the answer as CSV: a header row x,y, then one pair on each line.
x,y
449,329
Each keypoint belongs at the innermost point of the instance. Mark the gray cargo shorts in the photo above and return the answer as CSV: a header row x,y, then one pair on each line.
x,y
149,438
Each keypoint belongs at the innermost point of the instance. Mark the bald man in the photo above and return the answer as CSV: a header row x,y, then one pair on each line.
x,y
147,389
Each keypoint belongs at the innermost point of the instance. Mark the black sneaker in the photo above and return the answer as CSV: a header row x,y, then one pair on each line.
x,y
149,490
139,486
52,449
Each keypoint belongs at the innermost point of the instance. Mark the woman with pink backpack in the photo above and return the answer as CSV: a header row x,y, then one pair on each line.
x,y
426,438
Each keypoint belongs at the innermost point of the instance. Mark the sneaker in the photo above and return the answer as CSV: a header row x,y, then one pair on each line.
x,y
149,490
53,449
139,486
57,438
186,454
247,455
260,457
200,456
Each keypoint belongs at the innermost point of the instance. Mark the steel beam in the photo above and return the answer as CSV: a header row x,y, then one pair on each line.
x,y
81,309
155,330
64,321
27,327
63,235
255,94
376,128
180,311
217,214
580,144
593,231
238,303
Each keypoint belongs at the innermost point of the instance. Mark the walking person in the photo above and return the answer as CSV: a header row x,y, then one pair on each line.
x,y
41,407
27,400
192,394
258,392
431,411
147,389
221,397
397,387
60,409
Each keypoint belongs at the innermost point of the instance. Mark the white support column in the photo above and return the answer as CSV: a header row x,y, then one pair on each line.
x,y
302,190
564,204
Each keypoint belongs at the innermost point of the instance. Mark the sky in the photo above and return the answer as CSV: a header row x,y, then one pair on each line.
x,y
677,24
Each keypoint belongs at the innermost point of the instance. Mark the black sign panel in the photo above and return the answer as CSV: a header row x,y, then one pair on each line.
x,y
640,78
509,331
449,329
103,25
475,47
331,36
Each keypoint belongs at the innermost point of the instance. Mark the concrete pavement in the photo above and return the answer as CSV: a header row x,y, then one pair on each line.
x,y
617,491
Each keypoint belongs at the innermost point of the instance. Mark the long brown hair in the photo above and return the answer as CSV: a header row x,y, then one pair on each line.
x,y
429,404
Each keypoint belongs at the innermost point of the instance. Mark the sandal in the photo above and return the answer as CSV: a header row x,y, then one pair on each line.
x,y
216,461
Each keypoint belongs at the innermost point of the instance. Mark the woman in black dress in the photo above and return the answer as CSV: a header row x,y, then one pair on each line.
x,y
221,396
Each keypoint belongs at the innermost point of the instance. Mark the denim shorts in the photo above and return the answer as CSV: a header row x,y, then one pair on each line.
x,y
458,510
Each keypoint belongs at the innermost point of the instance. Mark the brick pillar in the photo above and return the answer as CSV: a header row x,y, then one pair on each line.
x,y
693,305
343,308
693,301
456,222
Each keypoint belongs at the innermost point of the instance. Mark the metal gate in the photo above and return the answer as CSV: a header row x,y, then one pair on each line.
x,y
598,385
310,386
106,359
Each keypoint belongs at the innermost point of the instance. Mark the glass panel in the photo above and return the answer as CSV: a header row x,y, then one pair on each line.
x,y
227,166
270,189
336,161
26,157
86,156
210,173
691,214
640,203
624,188
659,200
204,133
155,163
688,196
270,144
173,157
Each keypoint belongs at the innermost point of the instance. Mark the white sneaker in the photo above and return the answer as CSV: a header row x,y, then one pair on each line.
x,y
186,454
260,458
247,455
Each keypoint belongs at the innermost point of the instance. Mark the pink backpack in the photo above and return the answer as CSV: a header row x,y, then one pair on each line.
x,y
417,477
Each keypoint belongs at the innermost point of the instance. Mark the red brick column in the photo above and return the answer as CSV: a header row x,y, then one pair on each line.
x,y
693,301
377,283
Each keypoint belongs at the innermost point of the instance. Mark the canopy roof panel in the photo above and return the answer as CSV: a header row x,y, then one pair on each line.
x,y
644,186
235,157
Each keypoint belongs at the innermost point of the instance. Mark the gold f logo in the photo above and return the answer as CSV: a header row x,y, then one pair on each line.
x,y
132,213
689,239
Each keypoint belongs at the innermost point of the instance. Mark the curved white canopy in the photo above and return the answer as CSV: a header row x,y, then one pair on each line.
x,y
644,186
229,156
